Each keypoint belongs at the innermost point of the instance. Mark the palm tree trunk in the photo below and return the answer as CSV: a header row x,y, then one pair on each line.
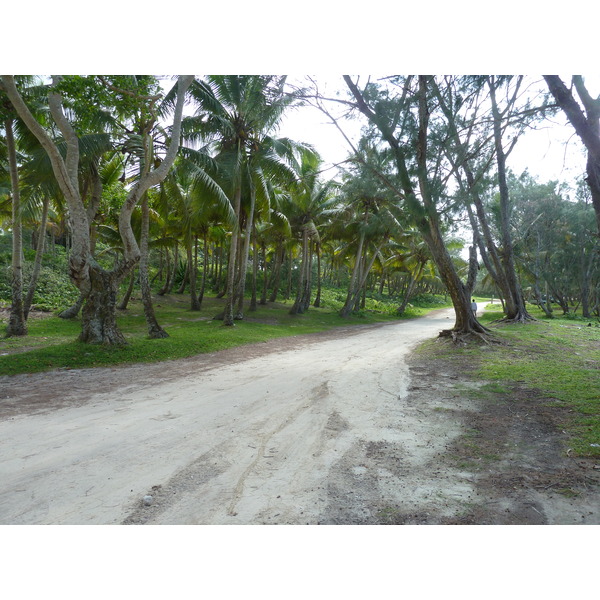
x,y
245,254
230,287
204,269
168,275
194,304
125,301
253,299
39,253
155,331
17,324
98,317
263,297
277,272
297,306
173,269
186,278
307,279
347,308
317,302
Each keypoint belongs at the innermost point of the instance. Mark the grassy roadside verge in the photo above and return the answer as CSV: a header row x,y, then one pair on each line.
x,y
51,341
557,359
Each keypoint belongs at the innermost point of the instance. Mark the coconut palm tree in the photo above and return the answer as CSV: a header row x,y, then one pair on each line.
x,y
240,114
309,202
411,255
197,201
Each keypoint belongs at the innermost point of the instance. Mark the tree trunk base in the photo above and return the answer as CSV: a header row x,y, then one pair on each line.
x,y
464,337
98,317
518,319
158,334
17,326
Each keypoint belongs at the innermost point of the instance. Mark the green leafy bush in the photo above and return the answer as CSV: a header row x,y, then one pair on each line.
x,y
53,290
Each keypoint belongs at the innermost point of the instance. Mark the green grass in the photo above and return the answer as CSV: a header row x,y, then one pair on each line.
x,y
51,343
559,357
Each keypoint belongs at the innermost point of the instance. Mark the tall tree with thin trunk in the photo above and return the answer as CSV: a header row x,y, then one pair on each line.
x,y
37,264
17,324
516,310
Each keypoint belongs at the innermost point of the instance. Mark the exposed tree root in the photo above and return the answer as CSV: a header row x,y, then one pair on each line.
x,y
463,338
518,320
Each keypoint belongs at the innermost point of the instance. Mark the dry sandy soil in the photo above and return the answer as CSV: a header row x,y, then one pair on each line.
x,y
343,427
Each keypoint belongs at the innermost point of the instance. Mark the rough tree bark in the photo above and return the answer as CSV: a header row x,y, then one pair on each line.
x,y
96,285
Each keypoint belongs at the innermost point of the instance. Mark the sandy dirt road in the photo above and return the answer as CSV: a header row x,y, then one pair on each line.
x,y
278,433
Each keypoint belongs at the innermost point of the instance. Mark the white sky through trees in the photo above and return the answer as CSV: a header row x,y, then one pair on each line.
x,y
550,152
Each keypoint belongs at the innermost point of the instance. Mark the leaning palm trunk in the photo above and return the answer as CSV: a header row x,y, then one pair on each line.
x,y
365,273
17,325
155,331
126,297
39,253
409,290
361,272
